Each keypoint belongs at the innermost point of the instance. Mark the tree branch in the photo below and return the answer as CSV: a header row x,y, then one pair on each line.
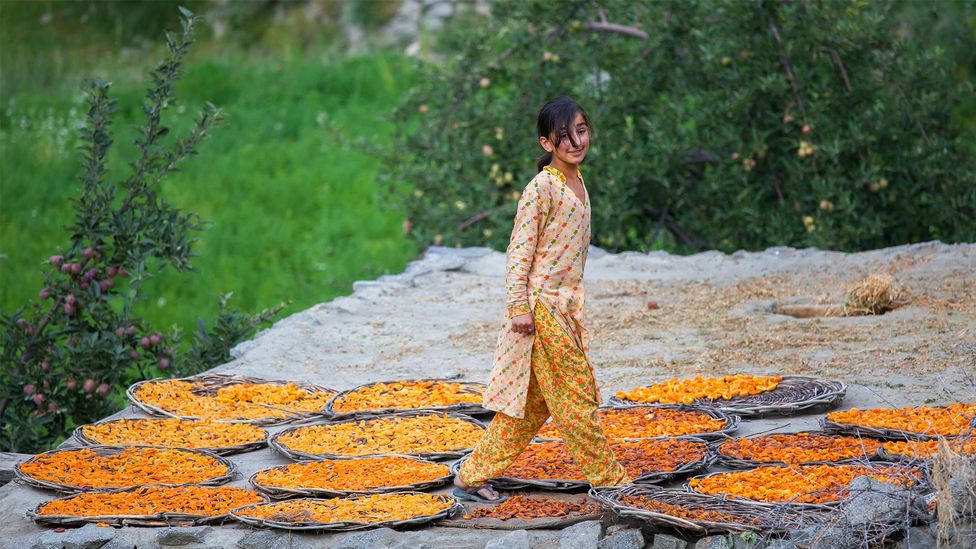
x,y
683,235
840,68
615,27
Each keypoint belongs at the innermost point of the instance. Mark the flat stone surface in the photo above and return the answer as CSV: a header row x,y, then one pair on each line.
x,y
714,542
714,316
664,541
519,539
182,536
627,538
584,535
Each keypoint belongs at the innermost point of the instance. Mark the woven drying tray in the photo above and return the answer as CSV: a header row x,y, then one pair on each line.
x,y
524,524
80,435
731,421
885,433
733,462
345,526
278,492
885,455
112,450
921,486
650,477
743,516
299,455
468,408
214,382
159,519
792,395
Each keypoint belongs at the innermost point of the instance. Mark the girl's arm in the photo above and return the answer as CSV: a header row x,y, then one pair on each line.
x,y
533,208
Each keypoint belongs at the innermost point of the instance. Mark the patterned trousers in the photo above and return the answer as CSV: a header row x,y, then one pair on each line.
x,y
561,384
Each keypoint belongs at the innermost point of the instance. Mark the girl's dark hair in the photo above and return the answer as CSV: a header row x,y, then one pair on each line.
x,y
556,115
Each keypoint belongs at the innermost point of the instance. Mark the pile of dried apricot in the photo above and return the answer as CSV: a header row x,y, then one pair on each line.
x,y
426,433
240,401
351,474
425,393
686,391
799,484
799,448
152,500
550,460
132,466
526,508
647,422
367,509
174,433
954,419
927,448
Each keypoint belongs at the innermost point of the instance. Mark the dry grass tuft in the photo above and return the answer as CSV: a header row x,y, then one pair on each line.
x,y
954,477
875,295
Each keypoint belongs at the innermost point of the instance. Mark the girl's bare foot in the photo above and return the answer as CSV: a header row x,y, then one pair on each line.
x,y
484,492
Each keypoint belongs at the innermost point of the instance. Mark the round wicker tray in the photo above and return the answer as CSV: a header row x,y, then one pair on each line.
x,y
524,524
299,455
213,382
920,485
739,463
343,526
461,408
907,460
112,450
794,394
159,519
276,492
884,433
751,516
651,477
79,434
731,421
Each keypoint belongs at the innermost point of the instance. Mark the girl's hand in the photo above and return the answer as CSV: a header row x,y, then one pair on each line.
x,y
523,324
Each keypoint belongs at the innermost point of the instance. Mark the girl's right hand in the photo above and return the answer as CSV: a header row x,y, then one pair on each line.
x,y
523,324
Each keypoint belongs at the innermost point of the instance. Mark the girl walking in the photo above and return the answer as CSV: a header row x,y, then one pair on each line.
x,y
542,365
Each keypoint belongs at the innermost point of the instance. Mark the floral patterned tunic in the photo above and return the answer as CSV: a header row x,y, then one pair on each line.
x,y
545,261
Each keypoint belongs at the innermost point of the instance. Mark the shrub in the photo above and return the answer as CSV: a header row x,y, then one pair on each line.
x,y
721,124
65,355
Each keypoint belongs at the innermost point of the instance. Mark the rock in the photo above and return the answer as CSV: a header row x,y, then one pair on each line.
x,y
918,538
271,539
86,537
467,253
629,538
664,541
119,543
584,535
182,536
872,502
714,542
825,537
781,544
380,538
595,252
518,539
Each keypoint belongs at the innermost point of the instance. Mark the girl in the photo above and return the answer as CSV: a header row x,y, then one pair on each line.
x,y
541,365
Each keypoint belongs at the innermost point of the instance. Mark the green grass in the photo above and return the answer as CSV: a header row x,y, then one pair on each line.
x,y
292,199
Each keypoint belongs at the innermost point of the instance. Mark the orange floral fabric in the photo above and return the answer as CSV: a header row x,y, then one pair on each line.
x,y
560,383
545,260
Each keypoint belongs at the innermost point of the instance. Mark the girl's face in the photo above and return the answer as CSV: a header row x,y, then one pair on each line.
x,y
566,151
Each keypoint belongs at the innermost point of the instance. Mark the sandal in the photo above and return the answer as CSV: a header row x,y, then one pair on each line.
x,y
471,494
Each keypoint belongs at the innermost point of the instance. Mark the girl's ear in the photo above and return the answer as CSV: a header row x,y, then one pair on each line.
x,y
546,145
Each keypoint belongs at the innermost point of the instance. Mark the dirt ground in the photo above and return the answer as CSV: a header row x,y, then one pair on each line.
x,y
651,317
